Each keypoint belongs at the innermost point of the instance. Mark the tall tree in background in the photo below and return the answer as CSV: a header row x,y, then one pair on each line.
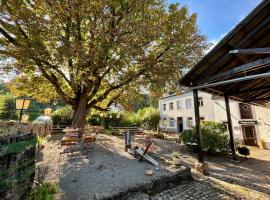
x,y
89,52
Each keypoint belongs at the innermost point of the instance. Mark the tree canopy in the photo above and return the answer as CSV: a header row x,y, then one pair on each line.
x,y
89,52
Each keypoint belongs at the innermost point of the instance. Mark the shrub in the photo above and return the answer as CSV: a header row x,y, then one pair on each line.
x,y
62,116
149,117
130,119
45,191
214,137
7,107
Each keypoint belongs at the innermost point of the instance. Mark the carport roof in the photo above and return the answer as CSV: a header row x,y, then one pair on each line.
x,y
221,72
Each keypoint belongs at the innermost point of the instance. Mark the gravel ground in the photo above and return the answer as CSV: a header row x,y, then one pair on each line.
x,y
104,172
110,170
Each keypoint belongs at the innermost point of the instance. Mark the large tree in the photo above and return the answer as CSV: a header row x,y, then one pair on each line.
x,y
90,51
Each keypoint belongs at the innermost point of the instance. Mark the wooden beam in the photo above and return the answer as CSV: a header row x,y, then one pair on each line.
x,y
236,70
259,99
228,111
248,90
198,125
251,51
204,67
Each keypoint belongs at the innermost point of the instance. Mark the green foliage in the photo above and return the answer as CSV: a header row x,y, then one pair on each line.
x,y
147,117
7,107
214,136
46,191
33,116
41,140
17,147
176,154
130,119
188,136
62,116
92,51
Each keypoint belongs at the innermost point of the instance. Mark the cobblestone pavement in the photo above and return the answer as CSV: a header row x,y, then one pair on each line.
x,y
196,190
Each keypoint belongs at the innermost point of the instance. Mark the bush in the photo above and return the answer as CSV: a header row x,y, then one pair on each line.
x,y
149,117
46,191
146,117
33,116
130,120
7,107
62,116
214,137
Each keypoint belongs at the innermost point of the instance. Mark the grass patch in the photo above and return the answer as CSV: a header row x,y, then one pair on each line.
x,y
45,191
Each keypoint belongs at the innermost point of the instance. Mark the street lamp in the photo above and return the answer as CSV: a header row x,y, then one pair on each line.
x,y
21,105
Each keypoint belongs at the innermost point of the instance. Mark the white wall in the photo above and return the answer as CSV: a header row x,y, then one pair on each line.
x,y
214,109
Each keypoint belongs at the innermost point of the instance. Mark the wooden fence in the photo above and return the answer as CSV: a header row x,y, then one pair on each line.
x,y
40,129
17,164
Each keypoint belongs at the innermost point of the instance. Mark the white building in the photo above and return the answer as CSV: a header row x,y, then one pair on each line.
x,y
250,123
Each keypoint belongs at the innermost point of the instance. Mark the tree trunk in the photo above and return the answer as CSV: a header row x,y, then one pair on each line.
x,y
80,112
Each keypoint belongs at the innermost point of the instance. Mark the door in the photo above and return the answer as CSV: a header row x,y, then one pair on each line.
x,y
249,135
180,124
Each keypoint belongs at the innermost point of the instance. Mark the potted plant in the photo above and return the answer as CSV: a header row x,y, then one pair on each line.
x,y
177,158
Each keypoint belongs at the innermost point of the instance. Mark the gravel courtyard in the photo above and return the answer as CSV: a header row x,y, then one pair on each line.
x,y
106,171
109,170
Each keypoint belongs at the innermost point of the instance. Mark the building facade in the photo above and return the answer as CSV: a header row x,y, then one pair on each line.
x,y
251,124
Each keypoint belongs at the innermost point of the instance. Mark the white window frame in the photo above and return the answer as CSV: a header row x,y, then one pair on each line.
x,y
164,106
188,106
171,108
189,122
178,105
171,122
164,122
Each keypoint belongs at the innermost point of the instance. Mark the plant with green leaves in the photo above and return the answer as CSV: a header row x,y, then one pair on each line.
x,y
214,136
45,191
62,116
7,107
89,52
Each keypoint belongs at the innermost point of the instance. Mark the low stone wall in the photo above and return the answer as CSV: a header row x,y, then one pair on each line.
x,y
17,164
156,186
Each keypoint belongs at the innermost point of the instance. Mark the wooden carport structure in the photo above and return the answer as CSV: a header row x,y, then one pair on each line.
x,y
238,68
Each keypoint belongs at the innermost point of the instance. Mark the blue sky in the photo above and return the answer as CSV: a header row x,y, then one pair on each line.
x,y
217,17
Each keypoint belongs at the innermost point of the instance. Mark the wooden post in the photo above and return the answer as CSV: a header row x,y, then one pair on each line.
x,y
228,111
198,125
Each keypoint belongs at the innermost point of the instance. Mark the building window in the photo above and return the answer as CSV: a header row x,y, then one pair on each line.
x,y
171,106
171,122
164,122
188,104
189,122
164,106
200,101
178,105
202,118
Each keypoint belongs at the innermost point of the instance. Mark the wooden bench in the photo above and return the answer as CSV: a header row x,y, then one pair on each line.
x,y
132,130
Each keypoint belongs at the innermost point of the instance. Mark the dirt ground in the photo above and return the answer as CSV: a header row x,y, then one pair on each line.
x,y
109,169
103,172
